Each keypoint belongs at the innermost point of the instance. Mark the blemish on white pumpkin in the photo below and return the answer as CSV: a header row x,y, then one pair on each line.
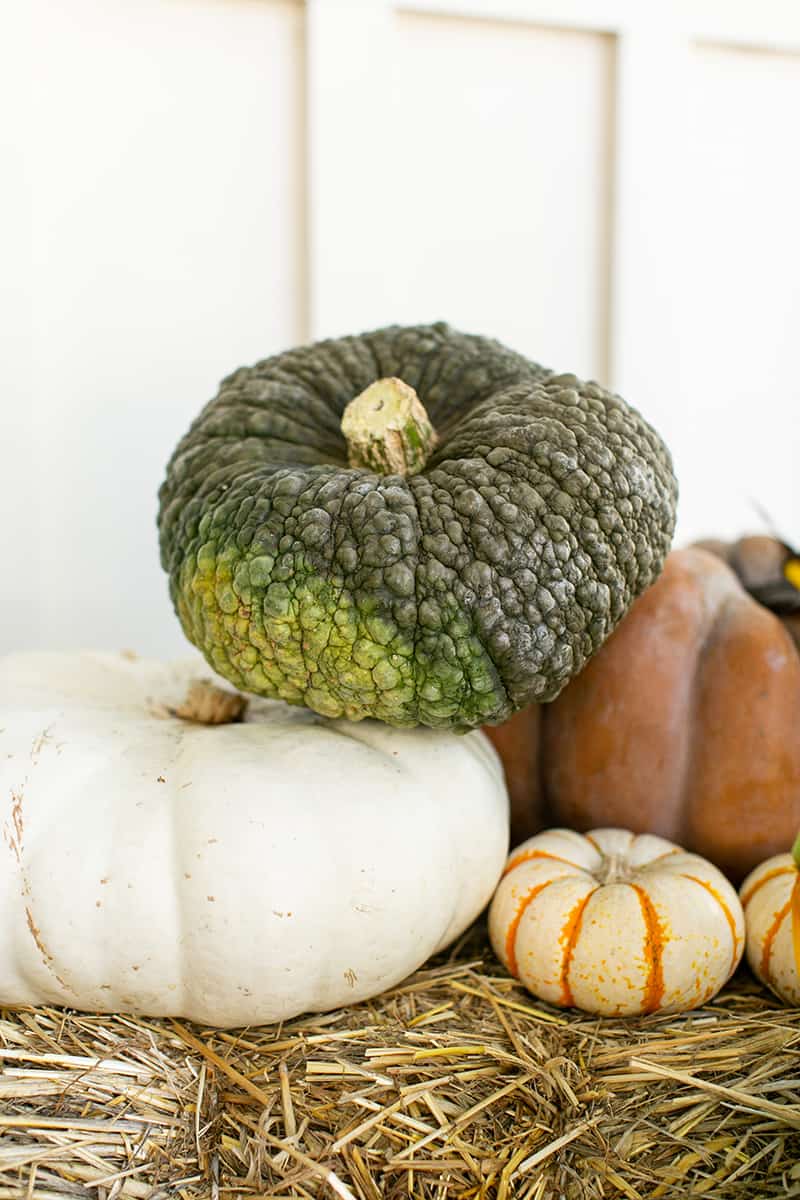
x,y
98,903
13,837
186,875
212,898
105,879
47,957
211,841
350,977
40,742
161,779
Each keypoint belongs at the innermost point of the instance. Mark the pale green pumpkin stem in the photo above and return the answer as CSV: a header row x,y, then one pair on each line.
x,y
388,430
796,851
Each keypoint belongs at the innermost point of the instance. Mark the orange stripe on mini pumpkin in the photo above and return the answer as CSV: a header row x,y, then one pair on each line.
x,y
655,940
771,934
796,922
747,896
511,935
530,855
712,891
645,866
569,938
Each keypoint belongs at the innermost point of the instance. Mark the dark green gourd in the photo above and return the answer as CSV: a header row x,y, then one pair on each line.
x,y
480,575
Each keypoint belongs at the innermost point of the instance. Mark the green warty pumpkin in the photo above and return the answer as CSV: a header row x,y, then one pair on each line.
x,y
476,577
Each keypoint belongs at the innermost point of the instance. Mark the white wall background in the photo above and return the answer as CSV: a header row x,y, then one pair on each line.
x,y
609,186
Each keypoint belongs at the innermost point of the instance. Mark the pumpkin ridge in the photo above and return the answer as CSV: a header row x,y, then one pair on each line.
x,y
712,891
651,862
15,840
654,951
714,609
501,689
771,934
765,878
530,855
511,936
570,933
179,897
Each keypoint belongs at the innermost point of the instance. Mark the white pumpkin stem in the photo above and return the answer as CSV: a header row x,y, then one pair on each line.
x,y
207,704
388,430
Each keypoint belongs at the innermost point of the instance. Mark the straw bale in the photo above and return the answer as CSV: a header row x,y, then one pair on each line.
x,y
456,1084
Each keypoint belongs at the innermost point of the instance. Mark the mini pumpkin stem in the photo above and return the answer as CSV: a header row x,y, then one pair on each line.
x,y
207,704
796,851
388,430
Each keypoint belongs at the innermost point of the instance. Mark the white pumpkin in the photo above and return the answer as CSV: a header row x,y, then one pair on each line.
x,y
770,897
614,923
235,874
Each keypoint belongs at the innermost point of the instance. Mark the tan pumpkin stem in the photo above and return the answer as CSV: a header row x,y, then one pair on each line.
x,y
207,704
388,430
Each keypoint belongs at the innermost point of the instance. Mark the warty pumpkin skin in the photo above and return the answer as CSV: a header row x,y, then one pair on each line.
x,y
685,724
451,597
235,874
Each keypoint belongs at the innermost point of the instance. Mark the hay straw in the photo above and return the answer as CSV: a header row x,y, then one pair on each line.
x,y
455,1084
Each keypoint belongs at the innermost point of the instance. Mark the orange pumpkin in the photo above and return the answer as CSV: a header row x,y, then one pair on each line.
x,y
685,724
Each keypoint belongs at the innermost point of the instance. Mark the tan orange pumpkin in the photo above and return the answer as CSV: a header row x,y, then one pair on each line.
x,y
686,723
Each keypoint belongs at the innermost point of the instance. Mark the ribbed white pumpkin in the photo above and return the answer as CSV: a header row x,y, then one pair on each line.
x,y
614,923
770,896
233,874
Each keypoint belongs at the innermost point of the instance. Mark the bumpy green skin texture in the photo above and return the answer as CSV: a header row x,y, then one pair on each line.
x,y
450,598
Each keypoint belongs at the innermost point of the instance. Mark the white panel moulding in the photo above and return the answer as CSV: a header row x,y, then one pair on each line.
x,y
767,24
589,15
505,219
349,212
754,24
645,291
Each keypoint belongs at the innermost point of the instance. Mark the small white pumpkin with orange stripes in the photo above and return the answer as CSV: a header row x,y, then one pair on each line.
x,y
614,923
770,897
